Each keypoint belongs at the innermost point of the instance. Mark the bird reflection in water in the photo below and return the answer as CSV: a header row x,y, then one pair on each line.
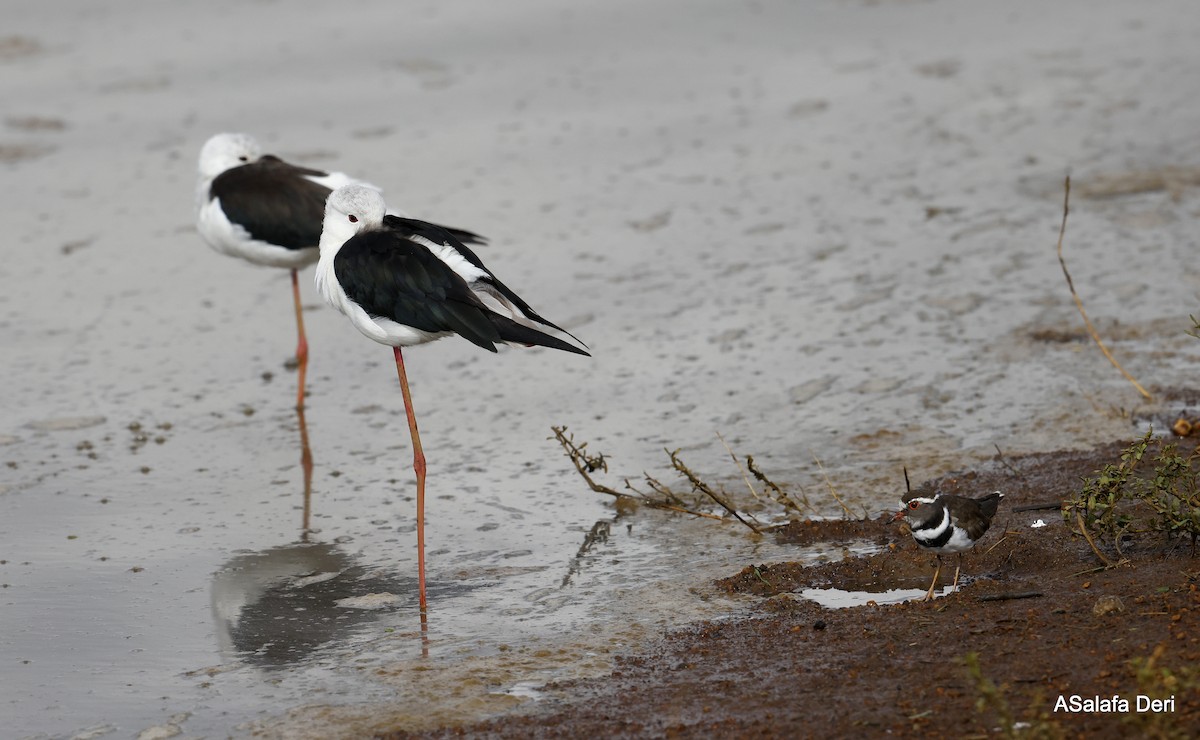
x,y
279,606
306,465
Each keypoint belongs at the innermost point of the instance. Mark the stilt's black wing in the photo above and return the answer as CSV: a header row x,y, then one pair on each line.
x,y
410,227
464,236
395,278
440,235
274,201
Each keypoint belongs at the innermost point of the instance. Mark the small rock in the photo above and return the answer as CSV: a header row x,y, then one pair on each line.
x,y
809,390
1107,604
69,423
652,223
168,729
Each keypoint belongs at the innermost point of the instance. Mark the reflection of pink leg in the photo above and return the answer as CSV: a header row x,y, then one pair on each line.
x,y
302,344
419,467
306,464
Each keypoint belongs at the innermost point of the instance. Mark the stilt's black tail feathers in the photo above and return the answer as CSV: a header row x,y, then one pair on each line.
x,y
466,237
511,331
534,315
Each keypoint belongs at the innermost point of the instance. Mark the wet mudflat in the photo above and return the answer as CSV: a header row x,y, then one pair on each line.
x,y
822,230
1039,618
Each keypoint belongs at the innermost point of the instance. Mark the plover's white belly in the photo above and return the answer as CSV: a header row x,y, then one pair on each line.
x,y
958,540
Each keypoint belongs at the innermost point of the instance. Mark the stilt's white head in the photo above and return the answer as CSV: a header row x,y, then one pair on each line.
x,y
349,210
226,151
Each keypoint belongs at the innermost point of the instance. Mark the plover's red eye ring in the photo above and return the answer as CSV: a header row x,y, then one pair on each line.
x,y
353,218
914,504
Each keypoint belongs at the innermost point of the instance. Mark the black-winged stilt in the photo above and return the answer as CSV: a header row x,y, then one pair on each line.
x,y
404,282
264,210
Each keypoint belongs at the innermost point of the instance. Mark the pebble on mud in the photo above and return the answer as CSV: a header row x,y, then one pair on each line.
x,y
1108,604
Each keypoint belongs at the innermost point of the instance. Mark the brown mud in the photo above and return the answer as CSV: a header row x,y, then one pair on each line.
x,y
1035,607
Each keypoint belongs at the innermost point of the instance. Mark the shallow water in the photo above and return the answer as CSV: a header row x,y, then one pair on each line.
x,y
823,230
836,598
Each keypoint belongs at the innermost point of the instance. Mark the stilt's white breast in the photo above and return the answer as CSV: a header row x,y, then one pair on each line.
x,y
384,331
229,238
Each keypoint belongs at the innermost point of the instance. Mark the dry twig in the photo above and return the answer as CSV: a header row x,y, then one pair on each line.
x,y
781,496
703,487
586,464
1005,463
741,470
1046,506
582,461
660,495
1010,596
1079,303
833,491
1091,543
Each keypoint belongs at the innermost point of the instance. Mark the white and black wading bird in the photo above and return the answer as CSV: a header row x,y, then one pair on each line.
x,y
947,523
404,282
260,208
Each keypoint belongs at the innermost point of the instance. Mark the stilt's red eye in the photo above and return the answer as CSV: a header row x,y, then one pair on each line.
x,y
914,504
353,219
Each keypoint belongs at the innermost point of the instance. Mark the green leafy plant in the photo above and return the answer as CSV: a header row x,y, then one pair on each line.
x,y
1160,682
1121,500
1175,492
1195,330
990,698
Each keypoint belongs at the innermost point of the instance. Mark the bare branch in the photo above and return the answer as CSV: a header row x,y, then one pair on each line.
x,y
1079,303
701,486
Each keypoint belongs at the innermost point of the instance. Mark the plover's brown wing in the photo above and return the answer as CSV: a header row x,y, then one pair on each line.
x,y
989,503
973,515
